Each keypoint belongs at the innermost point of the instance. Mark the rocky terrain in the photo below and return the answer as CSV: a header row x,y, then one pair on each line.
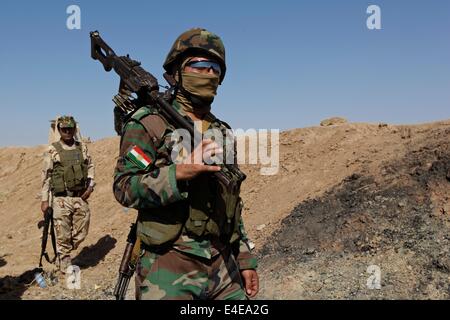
x,y
351,202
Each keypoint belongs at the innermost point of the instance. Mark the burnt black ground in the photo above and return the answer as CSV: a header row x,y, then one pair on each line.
x,y
391,220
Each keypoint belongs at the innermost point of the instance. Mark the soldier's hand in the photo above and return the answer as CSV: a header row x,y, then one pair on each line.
x,y
44,206
206,150
87,193
251,282
190,171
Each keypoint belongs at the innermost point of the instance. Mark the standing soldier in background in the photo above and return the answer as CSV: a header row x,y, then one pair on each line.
x,y
68,181
189,227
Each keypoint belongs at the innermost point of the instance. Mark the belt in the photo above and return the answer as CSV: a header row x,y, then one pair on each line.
x,y
69,194
163,248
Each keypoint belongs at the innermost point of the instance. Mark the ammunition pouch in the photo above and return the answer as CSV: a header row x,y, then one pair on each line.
x,y
214,209
159,226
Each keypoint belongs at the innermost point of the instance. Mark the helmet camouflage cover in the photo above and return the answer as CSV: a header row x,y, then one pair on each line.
x,y
196,40
66,122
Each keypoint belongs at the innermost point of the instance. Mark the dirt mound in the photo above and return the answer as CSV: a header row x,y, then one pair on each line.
x,y
397,219
345,197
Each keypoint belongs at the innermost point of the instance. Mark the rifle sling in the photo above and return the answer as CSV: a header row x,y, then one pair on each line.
x,y
53,236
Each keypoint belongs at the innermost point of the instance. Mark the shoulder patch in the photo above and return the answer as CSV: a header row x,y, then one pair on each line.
x,y
155,125
138,157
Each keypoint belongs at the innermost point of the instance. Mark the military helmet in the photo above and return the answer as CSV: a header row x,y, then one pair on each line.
x,y
66,122
193,41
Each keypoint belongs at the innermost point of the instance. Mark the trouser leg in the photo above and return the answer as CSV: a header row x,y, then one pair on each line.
x,y
225,278
81,219
170,276
62,217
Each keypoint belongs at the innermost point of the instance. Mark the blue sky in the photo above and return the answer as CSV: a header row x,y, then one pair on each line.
x,y
290,63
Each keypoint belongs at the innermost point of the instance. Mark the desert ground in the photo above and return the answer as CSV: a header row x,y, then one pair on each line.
x,y
348,198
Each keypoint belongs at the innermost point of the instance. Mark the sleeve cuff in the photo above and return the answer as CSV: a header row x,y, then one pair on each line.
x,y
246,261
44,197
178,195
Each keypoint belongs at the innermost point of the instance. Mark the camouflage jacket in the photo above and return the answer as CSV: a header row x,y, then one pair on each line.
x,y
157,187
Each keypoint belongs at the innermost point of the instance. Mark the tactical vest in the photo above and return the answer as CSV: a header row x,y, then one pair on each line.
x,y
210,210
70,173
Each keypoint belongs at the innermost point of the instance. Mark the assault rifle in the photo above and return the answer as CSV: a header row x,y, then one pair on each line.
x,y
48,223
127,265
135,80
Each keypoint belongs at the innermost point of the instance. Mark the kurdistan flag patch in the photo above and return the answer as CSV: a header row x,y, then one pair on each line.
x,y
139,157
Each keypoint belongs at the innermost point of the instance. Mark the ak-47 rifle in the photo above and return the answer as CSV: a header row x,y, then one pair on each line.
x,y
136,80
127,265
48,223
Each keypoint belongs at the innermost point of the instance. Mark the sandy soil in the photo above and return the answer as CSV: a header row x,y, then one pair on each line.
x,y
347,196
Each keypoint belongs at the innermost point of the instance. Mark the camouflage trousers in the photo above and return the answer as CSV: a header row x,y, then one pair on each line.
x,y
71,217
179,276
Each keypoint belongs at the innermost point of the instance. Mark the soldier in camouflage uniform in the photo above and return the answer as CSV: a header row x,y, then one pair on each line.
x,y
68,181
190,230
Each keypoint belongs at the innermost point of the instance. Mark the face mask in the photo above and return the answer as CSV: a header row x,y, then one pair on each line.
x,y
202,86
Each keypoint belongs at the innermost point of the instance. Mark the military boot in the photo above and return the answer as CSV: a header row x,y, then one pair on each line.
x,y
65,262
